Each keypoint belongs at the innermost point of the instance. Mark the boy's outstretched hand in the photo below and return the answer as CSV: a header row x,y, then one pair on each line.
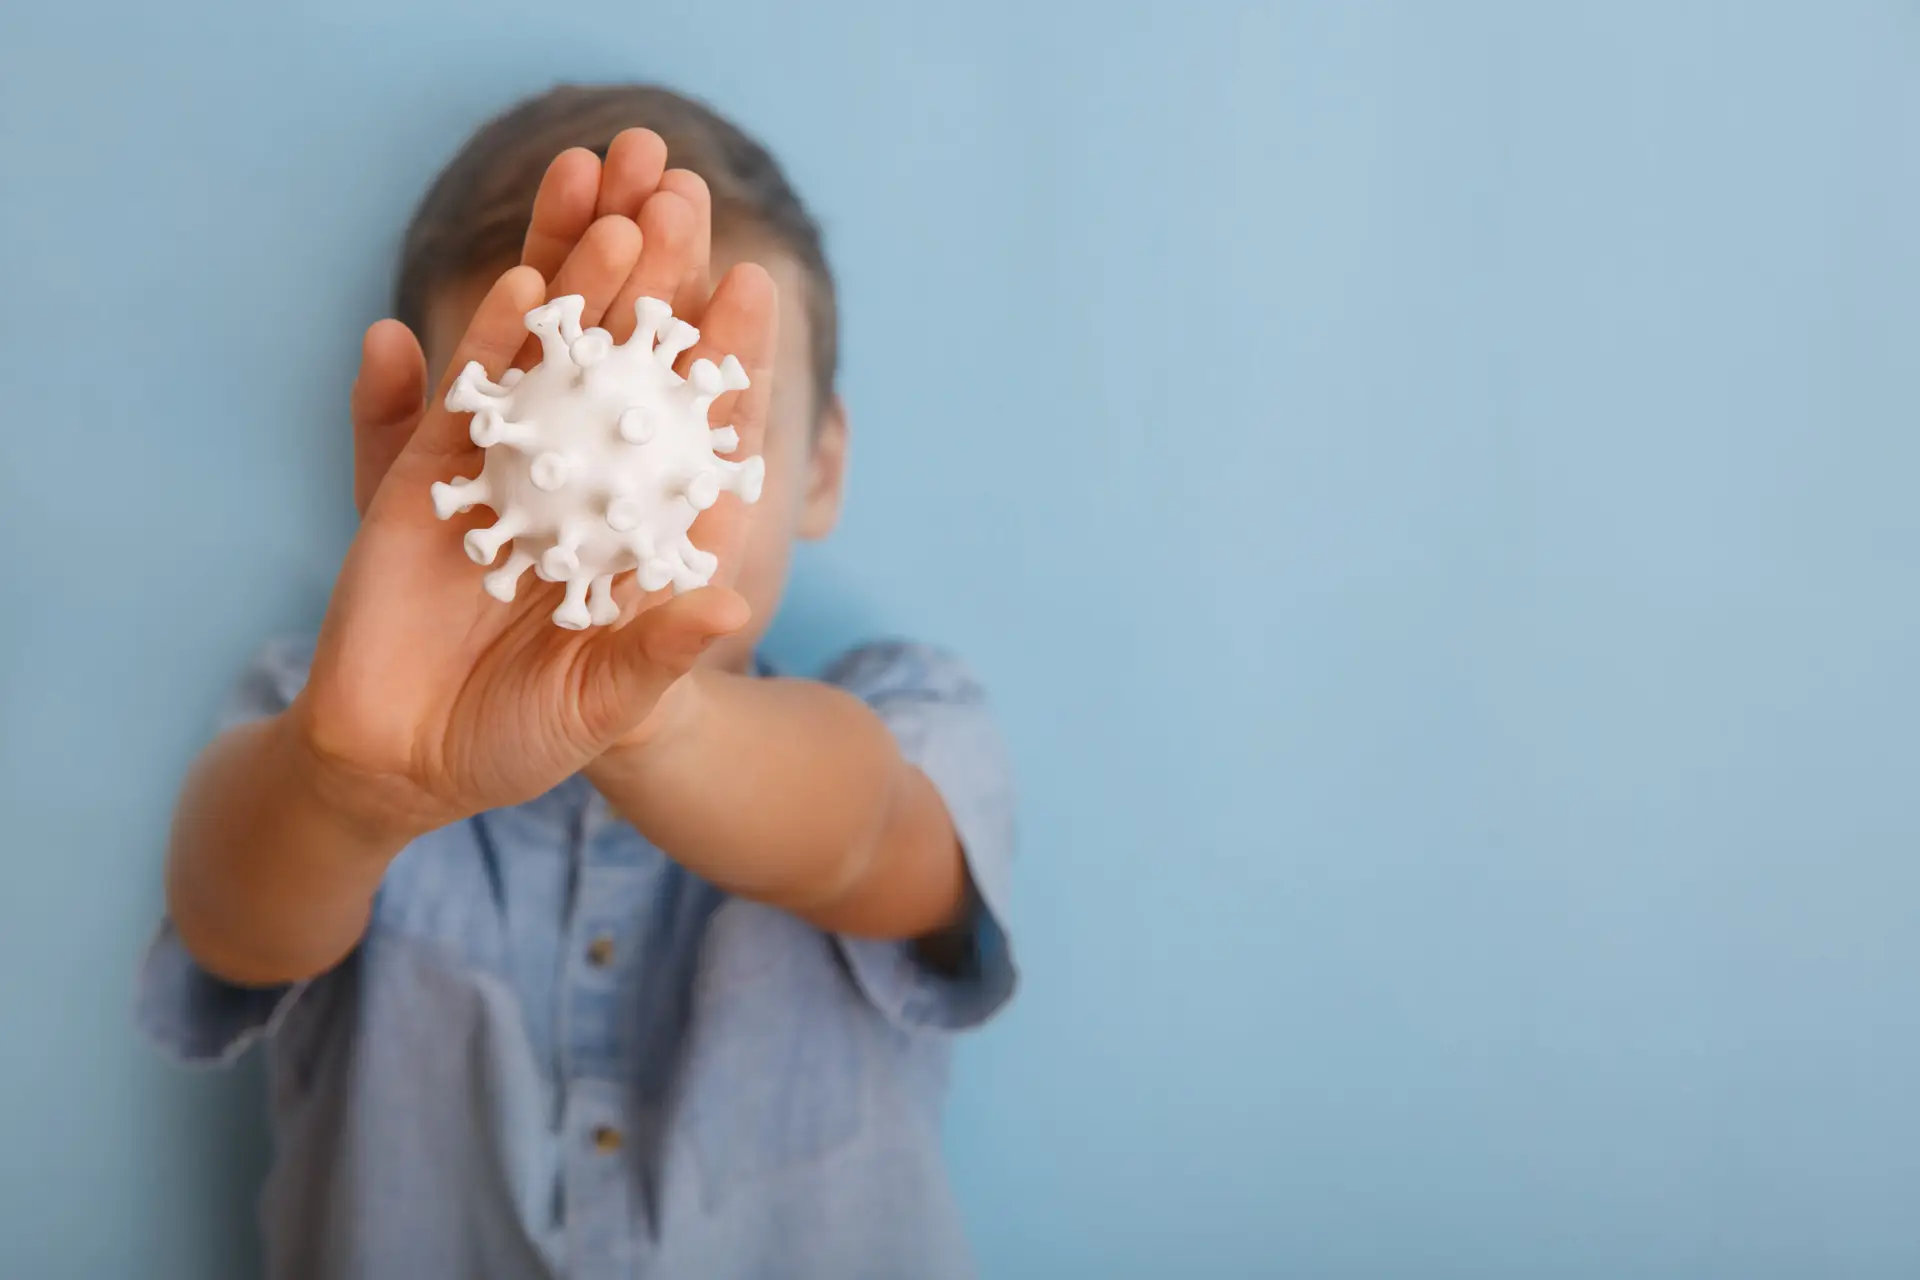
x,y
428,698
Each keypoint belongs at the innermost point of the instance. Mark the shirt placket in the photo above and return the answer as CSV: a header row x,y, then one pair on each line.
x,y
605,1130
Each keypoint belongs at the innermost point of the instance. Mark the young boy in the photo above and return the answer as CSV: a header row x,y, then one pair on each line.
x,y
601,953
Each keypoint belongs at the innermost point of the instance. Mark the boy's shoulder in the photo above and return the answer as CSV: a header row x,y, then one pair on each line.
x,y
271,680
892,668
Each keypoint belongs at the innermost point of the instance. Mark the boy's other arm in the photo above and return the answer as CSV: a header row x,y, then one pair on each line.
x,y
795,794
275,857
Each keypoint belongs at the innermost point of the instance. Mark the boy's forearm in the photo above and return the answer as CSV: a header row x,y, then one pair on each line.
x,y
271,871
795,794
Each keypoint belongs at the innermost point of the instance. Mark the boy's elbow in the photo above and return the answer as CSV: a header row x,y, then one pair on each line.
x,y
909,879
236,941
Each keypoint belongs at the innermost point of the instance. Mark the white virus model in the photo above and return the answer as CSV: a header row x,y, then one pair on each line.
x,y
598,460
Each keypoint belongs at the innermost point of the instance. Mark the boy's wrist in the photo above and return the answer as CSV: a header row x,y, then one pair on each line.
x,y
381,815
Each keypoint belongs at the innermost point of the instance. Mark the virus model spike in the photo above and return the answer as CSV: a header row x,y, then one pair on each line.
x,y
598,460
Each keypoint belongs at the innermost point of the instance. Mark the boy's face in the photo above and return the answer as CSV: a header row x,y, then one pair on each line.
x,y
805,449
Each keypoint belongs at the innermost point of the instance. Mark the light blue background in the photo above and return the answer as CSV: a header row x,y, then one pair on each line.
x,y
1432,486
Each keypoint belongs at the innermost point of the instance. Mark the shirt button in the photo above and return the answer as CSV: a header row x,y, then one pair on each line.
x,y
606,1139
600,952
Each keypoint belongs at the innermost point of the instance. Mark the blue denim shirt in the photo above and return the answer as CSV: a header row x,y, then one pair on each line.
x,y
556,1053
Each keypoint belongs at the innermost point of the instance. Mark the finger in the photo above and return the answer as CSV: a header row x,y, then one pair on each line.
x,y
562,210
666,255
636,159
493,338
624,670
599,265
389,395
690,294
742,321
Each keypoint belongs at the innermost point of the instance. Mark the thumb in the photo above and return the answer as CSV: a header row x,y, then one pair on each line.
x,y
389,395
626,670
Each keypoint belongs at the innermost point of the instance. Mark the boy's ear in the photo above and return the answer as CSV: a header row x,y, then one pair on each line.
x,y
826,473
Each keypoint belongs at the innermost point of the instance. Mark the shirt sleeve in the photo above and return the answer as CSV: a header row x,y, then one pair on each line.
x,y
187,1013
939,715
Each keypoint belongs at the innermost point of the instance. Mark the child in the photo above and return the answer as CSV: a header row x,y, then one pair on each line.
x,y
606,952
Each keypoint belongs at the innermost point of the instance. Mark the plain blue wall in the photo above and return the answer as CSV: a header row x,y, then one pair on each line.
x,y
1433,487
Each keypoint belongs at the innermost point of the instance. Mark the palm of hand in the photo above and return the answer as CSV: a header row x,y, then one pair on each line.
x,y
421,678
